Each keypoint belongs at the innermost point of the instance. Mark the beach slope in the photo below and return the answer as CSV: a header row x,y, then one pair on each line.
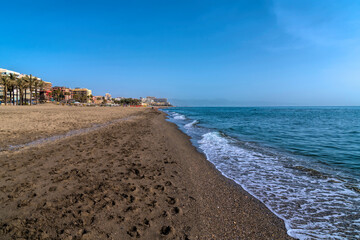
x,y
138,178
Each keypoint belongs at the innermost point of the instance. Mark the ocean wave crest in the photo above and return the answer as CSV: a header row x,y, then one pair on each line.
x,y
178,116
298,198
192,124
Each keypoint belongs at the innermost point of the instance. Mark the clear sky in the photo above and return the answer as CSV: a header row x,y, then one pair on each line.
x,y
241,52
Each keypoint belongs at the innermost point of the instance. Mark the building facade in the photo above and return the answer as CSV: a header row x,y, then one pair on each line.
x,y
66,93
82,94
97,99
45,92
153,101
13,93
8,72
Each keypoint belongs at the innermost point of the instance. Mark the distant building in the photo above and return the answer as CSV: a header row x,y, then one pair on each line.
x,y
45,92
108,97
82,91
66,92
27,93
153,101
160,100
82,94
118,98
97,99
147,100
8,72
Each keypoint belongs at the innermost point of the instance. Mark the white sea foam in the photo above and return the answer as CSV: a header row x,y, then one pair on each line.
x,y
178,116
192,124
312,207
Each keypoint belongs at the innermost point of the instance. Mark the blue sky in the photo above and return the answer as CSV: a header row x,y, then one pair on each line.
x,y
244,52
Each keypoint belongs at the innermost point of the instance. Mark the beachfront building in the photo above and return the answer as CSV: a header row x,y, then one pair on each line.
x,y
71,95
82,94
153,101
107,97
64,92
97,99
14,93
2,91
161,102
118,98
147,101
4,71
45,92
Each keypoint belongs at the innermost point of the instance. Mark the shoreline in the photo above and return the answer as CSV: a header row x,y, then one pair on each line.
x,y
140,178
231,181
233,190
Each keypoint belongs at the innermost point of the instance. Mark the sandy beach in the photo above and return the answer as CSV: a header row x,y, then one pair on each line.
x,y
135,178
22,124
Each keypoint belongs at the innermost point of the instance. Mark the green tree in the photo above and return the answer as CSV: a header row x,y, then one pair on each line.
x,y
129,101
5,81
31,82
56,94
12,87
104,100
41,87
76,97
26,79
36,86
83,98
21,84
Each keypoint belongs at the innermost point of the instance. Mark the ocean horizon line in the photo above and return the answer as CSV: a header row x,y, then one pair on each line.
x,y
271,106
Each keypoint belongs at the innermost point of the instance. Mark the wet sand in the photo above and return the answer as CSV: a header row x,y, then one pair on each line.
x,y
139,178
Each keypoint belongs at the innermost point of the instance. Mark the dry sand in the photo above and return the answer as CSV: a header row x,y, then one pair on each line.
x,y
139,178
23,124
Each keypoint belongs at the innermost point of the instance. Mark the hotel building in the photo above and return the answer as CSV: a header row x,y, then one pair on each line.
x,y
82,93
16,92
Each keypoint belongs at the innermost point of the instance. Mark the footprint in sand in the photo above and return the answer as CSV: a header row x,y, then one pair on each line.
x,y
133,232
171,200
175,210
166,230
160,187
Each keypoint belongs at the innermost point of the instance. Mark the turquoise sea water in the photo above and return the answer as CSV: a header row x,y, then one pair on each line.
x,y
302,162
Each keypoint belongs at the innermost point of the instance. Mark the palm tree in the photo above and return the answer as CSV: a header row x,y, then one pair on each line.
x,y
5,81
12,87
36,85
57,93
26,79
21,84
17,93
31,83
41,86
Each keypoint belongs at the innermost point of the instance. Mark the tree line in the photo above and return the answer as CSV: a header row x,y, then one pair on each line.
x,y
21,85
128,101
59,95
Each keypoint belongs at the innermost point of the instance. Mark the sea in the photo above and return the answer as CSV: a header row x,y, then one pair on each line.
x,y
303,163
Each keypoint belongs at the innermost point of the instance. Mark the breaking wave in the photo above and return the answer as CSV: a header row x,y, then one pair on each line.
x,y
312,205
179,116
192,124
